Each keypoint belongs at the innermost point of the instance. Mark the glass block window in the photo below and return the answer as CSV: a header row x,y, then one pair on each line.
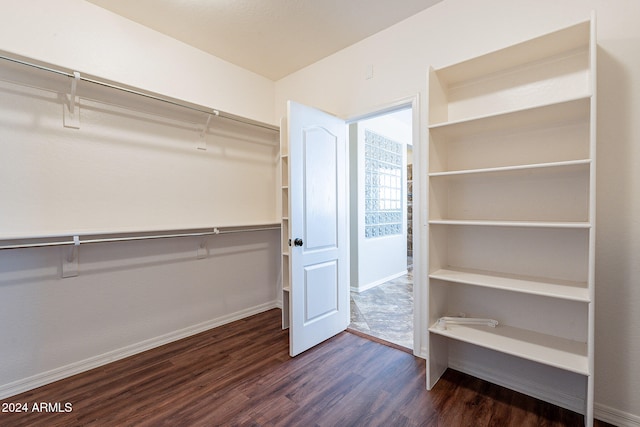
x,y
383,186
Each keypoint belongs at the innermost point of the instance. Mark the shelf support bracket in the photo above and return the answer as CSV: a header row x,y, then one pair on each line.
x,y
70,259
202,141
71,113
202,250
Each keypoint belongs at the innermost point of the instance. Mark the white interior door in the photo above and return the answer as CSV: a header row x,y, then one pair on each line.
x,y
319,299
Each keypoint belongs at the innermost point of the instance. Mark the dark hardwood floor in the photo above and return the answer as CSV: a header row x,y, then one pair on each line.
x,y
241,374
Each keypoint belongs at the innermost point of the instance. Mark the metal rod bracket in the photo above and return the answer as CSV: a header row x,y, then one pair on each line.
x,y
202,140
70,259
71,117
202,250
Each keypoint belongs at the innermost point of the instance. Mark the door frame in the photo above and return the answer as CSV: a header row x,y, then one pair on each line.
x,y
420,246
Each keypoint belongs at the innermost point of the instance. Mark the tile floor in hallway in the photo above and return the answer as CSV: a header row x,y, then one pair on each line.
x,y
386,311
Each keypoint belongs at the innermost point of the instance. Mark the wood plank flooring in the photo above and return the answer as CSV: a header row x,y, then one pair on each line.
x,y
241,374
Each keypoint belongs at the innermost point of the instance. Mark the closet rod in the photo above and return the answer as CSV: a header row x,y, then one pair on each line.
x,y
79,241
200,109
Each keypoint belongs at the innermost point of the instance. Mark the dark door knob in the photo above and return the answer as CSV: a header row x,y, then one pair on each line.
x,y
298,242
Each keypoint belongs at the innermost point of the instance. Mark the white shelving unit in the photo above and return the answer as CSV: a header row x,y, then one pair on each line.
x,y
285,225
511,201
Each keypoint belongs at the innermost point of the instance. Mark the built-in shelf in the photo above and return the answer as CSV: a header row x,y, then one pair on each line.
x,y
564,289
511,212
545,135
546,114
516,168
525,224
546,70
544,48
285,232
542,348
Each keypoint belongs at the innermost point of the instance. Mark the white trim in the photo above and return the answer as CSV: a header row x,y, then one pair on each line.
x,y
381,110
615,416
420,245
26,384
535,389
379,282
419,251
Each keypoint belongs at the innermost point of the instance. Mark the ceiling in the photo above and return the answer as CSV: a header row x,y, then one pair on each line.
x,y
269,37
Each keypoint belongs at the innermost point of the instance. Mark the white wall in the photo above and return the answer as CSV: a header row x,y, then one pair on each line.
x,y
125,170
81,36
455,30
384,258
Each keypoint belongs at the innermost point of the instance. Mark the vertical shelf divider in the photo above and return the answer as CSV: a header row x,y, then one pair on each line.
x,y
285,223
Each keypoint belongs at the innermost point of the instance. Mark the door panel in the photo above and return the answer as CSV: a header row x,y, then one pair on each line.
x,y
319,296
320,170
321,287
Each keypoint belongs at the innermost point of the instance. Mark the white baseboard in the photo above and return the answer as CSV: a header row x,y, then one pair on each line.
x,y
530,388
38,380
615,416
378,282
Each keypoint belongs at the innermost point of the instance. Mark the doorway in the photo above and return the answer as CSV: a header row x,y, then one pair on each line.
x,y
381,208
